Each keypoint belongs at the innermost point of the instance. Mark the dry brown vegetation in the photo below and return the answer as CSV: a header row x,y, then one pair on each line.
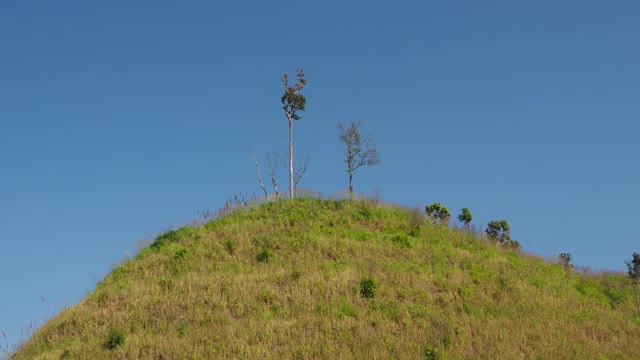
x,y
282,280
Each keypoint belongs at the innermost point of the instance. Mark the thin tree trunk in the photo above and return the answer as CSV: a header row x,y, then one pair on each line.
x,y
266,194
291,190
351,185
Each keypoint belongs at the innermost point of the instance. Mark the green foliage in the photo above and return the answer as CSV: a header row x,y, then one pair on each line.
x,y
265,255
347,310
430,354
465,216
633,268
368,288
564,259
292,100
115,339
172,236
180,254
401,239
296,274
182,328
230,245
498,230
438,212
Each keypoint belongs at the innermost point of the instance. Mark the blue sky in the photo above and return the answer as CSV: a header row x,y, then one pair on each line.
x,y
120,119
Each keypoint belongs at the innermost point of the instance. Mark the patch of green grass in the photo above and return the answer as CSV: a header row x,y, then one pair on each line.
x,y
346,309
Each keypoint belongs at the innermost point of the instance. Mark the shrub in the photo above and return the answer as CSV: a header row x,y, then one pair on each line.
x,y
182,328
296,274
401,240
173,236
180,254
465,217
564,259
265,255
438,212
430,354
368,288
230,245
115,339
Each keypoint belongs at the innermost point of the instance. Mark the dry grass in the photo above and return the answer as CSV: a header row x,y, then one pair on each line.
x,y
201,292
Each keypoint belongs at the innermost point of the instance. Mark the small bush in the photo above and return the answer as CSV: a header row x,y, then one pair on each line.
x,y
265,255
230,245
296,274
430,354
115,339
564,259
182,328
180,254
368,288
173,236
401,240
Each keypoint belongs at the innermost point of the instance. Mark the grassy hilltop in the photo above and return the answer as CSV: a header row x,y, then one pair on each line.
x,y
314,278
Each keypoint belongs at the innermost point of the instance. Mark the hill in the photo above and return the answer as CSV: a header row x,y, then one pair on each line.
x,y
314,278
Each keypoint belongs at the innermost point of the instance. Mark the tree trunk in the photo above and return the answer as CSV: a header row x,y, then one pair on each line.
x,y
351,185
291,190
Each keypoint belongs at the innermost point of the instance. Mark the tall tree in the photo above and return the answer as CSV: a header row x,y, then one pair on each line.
x,y
293,101
359,150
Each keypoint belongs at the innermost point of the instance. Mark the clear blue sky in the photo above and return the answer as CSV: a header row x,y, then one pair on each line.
x,y
119,119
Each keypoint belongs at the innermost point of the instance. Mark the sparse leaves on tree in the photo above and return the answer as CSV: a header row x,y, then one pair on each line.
x,y
565,260
359,150
293,102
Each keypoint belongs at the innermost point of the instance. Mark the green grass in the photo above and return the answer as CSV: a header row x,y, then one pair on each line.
x,y
316,278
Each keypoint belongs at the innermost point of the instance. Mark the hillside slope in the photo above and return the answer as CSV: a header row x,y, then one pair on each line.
x,y
285,280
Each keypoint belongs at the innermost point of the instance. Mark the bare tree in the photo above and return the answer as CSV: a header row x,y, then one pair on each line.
x,y
293,102
359,150
266,194
299,169
274,160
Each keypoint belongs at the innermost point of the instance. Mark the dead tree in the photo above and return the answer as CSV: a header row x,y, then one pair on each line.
x,y
274,160
266,194
299,169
